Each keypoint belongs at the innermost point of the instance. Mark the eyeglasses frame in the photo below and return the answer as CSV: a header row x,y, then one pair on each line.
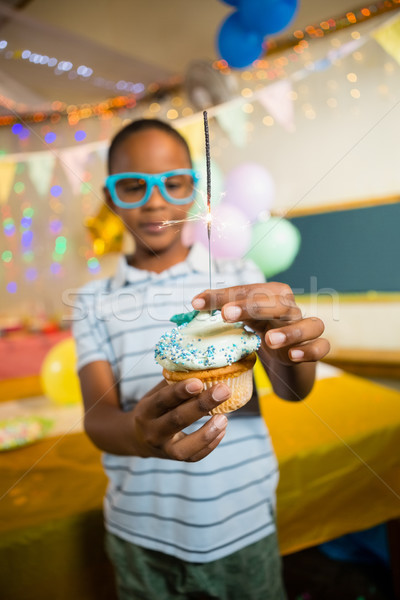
x,y
154,179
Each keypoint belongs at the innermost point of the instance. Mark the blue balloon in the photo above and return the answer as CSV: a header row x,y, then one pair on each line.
x,y
239,47
267,17
231,2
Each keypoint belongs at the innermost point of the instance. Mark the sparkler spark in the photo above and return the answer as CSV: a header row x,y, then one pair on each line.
x,y
204,215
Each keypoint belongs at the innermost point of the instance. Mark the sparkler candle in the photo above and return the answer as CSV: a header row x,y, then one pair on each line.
x,y
204,345
208,167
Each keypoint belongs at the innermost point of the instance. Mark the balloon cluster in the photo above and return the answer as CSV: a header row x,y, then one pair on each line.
x,y
241,35
241,222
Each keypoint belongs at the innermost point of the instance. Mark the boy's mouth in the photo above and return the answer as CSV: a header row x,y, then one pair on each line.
x,y
153,227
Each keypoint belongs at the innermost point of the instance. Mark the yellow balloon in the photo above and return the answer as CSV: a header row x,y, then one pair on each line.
x,y
58,375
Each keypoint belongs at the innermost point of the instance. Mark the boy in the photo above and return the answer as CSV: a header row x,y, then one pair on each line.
x,y
202,527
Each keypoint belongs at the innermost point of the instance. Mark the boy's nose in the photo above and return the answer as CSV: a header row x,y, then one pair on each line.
x,y
156,199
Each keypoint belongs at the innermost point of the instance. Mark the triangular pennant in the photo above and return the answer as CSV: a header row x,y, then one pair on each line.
x,y
345,49
194,135
7,172
74,161
388,37
276,100
102,152
233,120
40,169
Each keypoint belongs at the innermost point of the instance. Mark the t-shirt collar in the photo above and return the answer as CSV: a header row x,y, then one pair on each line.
x,y
195,262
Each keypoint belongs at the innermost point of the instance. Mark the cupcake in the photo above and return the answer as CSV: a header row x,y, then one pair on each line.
x,y
206,347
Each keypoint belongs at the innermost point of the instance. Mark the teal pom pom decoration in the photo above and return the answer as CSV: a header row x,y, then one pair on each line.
x,y
184,317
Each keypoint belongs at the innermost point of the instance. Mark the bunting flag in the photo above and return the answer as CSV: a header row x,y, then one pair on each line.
x,y
232,119
73,161
102,153
388,37
345,49
40,169
194,135
276,99
7,172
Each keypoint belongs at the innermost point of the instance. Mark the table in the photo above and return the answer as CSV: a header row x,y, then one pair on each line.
x,y
338,458
340,472
21,358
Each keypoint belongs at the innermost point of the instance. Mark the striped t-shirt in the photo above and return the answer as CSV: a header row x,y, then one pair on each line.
x,y
199,511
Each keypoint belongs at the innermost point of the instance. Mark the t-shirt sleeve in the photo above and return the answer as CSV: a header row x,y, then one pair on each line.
x,y
88,331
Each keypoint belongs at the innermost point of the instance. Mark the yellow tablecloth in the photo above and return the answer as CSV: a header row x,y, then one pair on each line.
x,y
340,471
339,460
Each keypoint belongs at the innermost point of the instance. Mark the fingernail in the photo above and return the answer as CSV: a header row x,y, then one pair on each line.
x,y
277,338
220,421
198,303
232,313
221,393
296,354
193,386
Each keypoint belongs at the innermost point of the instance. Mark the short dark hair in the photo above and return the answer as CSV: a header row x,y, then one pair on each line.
x,y
142,125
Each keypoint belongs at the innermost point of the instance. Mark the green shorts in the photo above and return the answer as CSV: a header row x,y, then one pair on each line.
x,y
253,573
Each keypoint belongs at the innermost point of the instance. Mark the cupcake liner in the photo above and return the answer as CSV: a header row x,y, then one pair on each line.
x,y
241,388
238,377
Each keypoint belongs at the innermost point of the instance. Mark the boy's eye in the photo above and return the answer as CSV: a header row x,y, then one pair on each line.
x,y
130,189
172,185
132,185
179,186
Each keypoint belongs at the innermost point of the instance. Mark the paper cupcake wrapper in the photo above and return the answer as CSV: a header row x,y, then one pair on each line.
x,y
241,387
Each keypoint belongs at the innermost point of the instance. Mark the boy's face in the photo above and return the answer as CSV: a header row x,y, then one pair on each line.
x,y
151,151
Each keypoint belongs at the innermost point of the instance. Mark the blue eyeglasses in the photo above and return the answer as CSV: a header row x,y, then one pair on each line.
x,y
132,190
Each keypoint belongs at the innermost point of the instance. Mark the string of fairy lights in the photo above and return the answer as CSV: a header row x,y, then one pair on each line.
x,y
61,67
298,41
20,231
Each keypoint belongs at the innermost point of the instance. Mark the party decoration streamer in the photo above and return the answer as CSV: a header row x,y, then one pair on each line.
x,y
7,172
40,169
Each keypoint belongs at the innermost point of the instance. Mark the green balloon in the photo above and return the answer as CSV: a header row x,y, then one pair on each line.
x,y
274,245
217,186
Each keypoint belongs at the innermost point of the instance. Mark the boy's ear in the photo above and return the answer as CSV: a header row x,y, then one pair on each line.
x,y
107,199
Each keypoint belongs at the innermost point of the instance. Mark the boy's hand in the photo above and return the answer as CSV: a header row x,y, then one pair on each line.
x,y
167,409
270,310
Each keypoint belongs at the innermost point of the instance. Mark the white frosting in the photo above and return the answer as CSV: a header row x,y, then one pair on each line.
x,y
206,342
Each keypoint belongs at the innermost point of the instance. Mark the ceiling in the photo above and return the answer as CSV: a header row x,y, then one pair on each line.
x,y
136,42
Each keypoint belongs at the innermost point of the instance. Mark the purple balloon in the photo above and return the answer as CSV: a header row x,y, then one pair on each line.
x,y
250,188
267,16
187,235
230,232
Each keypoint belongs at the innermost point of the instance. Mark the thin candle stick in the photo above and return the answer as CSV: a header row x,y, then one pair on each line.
x,y
208,169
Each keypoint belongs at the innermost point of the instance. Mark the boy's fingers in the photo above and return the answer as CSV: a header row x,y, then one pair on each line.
x,y
197,445
157,388
296,333
310,352
262,308
206,451
192,410
212,299
168,396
